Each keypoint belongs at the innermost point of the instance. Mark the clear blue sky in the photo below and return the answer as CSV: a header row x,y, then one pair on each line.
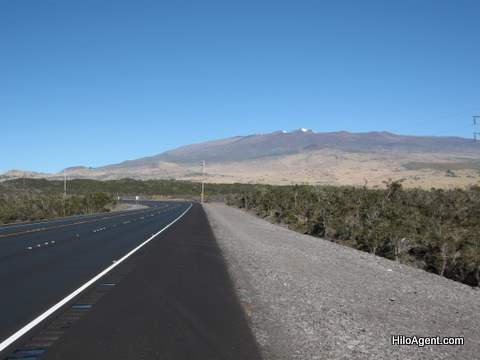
x,y
91,82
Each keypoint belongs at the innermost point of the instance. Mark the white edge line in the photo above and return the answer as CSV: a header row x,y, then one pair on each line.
x,y
12,338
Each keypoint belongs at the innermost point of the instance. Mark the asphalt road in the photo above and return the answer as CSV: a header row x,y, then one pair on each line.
x,y
42,262
172,300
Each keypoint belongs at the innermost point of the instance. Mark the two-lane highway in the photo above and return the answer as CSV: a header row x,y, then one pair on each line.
x,y
42,262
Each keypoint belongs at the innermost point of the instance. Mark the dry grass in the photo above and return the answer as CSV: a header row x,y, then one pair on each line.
x,y
318,167
340,168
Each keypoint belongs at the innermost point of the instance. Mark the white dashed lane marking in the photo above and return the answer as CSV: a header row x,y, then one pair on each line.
x,y
99,229
46,243
40,245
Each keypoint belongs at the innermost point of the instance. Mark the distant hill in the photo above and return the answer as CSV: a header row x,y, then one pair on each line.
x,y
305,156
240,148
15,174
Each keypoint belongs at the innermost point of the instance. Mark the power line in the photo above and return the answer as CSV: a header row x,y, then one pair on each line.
x,y
64,192
203,181
476,122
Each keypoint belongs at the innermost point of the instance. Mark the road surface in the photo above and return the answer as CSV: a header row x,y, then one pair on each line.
x,y
171,299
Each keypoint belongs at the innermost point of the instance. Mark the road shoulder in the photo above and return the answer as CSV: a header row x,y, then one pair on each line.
x,y
307,298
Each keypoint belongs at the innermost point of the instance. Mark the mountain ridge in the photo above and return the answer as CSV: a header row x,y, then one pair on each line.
x,y
301,156
284,143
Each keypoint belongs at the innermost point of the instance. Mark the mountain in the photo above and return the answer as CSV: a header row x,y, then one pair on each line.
x,y
305,156
14,174
280,143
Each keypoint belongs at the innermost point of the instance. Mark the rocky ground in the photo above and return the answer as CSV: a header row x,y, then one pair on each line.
x,y
307,298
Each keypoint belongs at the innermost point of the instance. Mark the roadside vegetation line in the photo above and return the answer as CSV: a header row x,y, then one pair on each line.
x,y
41,222
435,230
14,337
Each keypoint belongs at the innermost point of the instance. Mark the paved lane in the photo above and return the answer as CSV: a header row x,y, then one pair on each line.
x,y
177,303
15,229
40,263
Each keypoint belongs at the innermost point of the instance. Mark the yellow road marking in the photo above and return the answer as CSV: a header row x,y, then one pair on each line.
x,y
64,225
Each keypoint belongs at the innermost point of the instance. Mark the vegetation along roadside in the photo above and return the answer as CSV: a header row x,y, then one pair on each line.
x,y
435,230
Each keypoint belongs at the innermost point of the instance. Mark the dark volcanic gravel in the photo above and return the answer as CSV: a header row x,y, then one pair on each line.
x,y
308,298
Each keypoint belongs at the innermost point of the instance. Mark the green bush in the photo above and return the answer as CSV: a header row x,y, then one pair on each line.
x,y
437,230
33,206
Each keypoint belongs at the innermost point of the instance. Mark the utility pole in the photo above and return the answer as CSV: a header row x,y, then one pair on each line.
x,y
64,192
203,181
476,121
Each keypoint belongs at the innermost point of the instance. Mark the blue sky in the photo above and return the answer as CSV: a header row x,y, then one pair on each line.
x,y
91,82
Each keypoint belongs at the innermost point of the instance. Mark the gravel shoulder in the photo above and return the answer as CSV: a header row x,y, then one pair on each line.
x,y
308,298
